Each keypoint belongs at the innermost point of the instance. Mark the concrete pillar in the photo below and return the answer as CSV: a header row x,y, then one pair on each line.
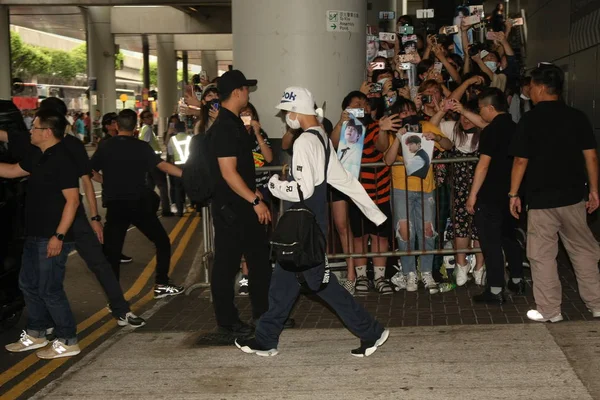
x,y
5,75
286,43
167,79
185,66
146,61
101,59
208,61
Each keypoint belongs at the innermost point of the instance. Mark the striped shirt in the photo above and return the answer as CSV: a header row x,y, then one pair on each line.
x,y
375,180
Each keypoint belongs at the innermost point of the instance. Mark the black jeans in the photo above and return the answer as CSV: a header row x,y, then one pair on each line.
x,y
41,281
177,193
90,249
158,178
122,213
236,234
497,233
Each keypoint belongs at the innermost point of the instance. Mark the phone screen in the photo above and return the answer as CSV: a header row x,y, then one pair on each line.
x,y
246,119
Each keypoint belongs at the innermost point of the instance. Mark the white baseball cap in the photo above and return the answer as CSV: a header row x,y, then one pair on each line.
x,y
298,100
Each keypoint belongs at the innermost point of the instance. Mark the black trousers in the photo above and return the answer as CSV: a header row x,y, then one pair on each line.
x,y
497,233
177,193
122,213
90,249
158,178
238,233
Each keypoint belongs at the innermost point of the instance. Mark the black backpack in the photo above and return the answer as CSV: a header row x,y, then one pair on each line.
x,y
298,242
198,171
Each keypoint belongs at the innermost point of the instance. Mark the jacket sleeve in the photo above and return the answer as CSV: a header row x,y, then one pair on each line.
x,y
306,170
342,180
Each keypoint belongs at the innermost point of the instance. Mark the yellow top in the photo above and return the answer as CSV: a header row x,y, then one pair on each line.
x,y
414,183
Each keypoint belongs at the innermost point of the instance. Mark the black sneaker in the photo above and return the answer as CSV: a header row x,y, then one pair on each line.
x,y
368,348
243,291
251,346
125,259
516,288
238,329
131,319
161,291
489,298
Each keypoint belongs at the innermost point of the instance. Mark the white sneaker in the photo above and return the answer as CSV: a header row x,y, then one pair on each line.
x,y
412,282
429,282
479,276
399,280
461,274
535,315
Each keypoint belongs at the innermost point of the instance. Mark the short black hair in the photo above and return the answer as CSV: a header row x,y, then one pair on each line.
x,y
54,103
143,113
353,95
107,119
550,76
53,120
413,139
401,104
378,72
494,97
127,120
406,18
424,66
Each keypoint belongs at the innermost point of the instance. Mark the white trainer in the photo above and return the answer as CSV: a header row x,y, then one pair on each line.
x,y
461,274
535,315
479,276
412,282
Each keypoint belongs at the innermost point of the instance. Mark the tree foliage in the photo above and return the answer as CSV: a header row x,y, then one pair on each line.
x,y
154,74
29,61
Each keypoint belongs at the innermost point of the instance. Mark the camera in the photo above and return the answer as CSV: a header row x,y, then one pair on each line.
x,y
398,83
475,49
427,98
376,88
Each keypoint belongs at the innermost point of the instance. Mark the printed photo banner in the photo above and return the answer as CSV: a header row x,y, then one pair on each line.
x,y
350,148
417,153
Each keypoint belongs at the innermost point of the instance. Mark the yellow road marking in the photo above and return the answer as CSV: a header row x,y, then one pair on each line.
x,y
135,289
51,366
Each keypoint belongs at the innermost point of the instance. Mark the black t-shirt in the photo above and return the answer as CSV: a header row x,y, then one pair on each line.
x,y
51,172
552,137
495,142
77,151
124,162
230,139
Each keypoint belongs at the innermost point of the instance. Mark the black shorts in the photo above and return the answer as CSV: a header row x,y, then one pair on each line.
x,y
335,195
362,226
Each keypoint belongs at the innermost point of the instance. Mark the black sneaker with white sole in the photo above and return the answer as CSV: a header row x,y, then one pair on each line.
x,y
251,346
125,259
368,348
161,291
131,319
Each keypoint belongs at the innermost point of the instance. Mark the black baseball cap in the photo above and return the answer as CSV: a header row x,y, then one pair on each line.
x,y
232,80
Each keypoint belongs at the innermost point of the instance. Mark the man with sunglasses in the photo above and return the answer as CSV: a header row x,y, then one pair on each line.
x,y
555,144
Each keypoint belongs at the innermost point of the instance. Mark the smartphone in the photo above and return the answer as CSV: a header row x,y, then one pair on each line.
x,y
517,21
451,30
203,75
406,30
246,119
472,20
376,88
172,125
356,112
404,58
398,83
405,66
216,106
387,15
490,35
387,37
378,65
483,53
437,67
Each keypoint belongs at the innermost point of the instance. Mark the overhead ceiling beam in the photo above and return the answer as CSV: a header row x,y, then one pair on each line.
x,y
204,42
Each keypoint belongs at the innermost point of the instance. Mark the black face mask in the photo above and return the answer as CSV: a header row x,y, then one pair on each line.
x,y
411,120
472,130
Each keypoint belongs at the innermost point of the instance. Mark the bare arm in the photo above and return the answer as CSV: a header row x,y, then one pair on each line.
x,y
484,68
3,136
228,167
287,140
66,220
12,171
465,46
439,54
88,189
97,177
170,169
460,91
394,150
591,164
516,176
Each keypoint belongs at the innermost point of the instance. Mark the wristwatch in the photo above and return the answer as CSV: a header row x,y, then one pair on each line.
x,y
256,201
59,236
96,218
512,196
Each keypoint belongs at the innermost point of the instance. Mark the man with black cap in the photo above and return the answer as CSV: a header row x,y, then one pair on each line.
x,y
238,211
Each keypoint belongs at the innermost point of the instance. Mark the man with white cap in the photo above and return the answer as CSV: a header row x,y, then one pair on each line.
x,y
308,173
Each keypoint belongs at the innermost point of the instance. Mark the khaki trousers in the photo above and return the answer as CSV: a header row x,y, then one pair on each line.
x,y
544,228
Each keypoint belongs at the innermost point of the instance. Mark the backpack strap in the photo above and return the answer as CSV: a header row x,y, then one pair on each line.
x,y
327,156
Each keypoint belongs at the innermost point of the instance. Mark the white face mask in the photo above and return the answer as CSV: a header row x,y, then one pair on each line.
x,y
292,123
492,65
382,81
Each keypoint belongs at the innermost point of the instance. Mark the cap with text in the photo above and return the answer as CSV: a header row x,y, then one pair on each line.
x,y
298,100
232,80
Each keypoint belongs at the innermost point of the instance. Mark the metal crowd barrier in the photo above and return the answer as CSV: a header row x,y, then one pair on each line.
x,y
333,252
